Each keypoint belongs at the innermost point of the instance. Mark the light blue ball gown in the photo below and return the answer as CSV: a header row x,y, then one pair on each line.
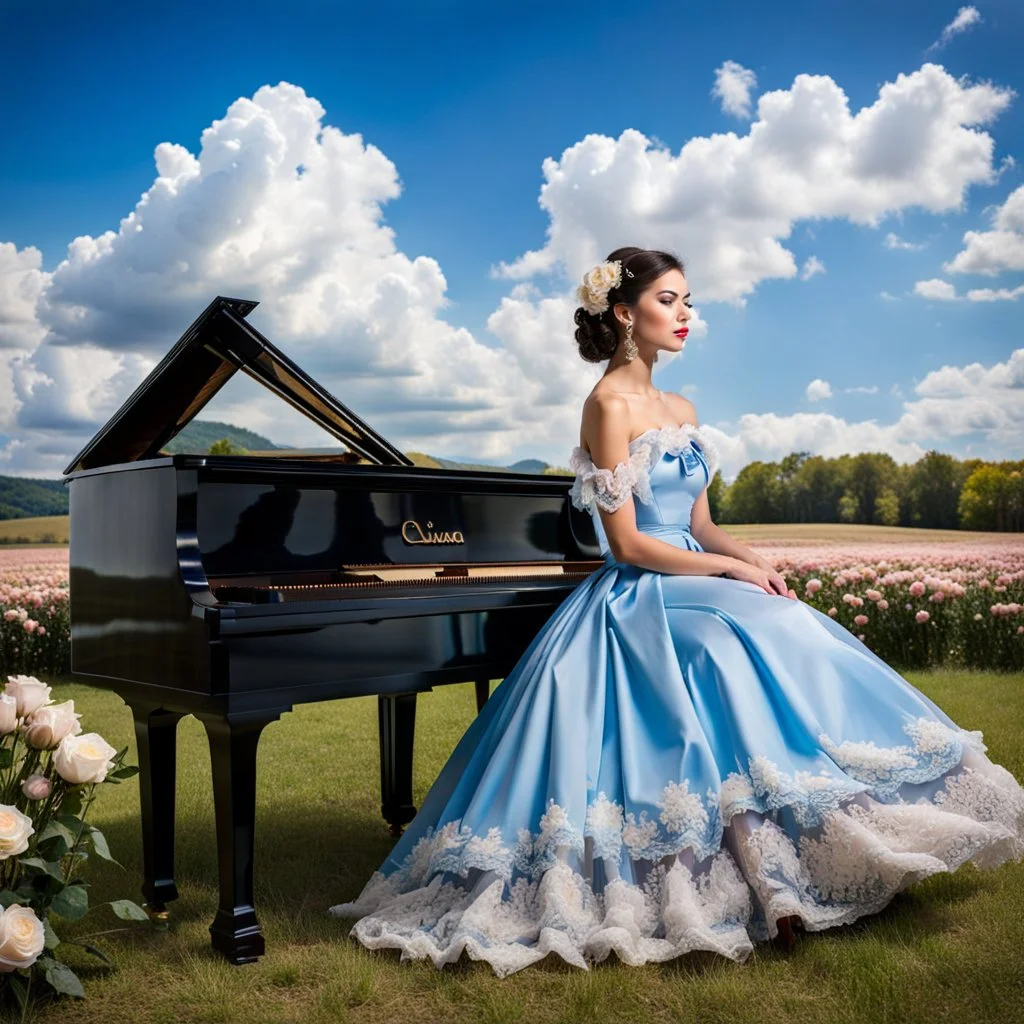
x,y
678,761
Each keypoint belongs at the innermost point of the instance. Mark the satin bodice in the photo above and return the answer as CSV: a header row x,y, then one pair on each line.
x,y
667,469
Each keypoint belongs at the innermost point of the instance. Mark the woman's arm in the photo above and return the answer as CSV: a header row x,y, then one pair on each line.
x,y
713,538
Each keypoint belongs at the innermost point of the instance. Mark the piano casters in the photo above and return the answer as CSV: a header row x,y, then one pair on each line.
x,y
155,734
396,715
235,931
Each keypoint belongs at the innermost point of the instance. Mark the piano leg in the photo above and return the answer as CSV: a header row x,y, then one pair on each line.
x,y
235,931
397,719
156,736
483,691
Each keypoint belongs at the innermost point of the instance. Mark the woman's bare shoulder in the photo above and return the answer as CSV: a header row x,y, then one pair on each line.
x,y
682,408
604,411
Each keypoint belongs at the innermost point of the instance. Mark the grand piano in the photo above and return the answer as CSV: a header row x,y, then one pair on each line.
x,y
233,587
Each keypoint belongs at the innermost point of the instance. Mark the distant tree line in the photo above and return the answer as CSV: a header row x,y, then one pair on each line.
x,y
938,492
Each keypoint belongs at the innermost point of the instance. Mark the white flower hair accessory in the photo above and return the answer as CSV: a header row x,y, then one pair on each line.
x,y
593,293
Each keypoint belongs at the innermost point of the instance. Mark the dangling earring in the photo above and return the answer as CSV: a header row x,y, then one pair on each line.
x,y
629,349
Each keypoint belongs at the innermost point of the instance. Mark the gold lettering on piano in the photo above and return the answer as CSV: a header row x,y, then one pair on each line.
x,y
413,533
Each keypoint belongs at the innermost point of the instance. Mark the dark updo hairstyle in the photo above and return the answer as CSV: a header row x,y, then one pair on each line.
x,y
597,333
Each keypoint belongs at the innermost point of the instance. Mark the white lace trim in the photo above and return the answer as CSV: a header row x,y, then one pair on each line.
x,y
683,886
610,488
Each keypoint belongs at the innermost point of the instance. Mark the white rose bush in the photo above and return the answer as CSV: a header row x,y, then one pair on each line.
x,y
49,773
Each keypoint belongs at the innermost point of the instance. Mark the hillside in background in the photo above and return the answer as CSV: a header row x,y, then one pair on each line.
x,y
22,497
200,434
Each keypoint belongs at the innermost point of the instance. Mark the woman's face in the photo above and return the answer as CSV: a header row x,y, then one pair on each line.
x,y
661,313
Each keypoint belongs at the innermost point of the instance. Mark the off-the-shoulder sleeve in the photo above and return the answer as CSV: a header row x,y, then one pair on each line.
x,y
607,488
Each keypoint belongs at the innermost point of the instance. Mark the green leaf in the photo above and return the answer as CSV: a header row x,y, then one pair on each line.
x,y
71,804
56,829
8,898
6,757
48,867
52,940
39,889
64,980
123,773
128,911
72,902
99,844
53,848
20,989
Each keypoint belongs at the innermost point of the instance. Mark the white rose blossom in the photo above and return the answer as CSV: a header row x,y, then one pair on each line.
x,y
29,692
48,725
21,938
85,758
8,714
15,828
593,293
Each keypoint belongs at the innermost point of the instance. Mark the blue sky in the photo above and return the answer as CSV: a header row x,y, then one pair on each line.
x,y
467,102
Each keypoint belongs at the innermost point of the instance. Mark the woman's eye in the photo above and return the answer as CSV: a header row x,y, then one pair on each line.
x,y
688,305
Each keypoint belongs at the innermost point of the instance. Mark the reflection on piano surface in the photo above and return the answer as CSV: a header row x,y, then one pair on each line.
x,y
234,587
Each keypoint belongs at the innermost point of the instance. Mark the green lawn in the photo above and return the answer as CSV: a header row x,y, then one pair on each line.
x,y
945,950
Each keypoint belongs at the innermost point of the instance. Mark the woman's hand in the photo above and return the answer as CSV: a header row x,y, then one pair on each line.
x,y
763,575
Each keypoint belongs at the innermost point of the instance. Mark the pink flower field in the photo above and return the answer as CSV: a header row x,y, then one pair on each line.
x,y
34,615
915,604
918,604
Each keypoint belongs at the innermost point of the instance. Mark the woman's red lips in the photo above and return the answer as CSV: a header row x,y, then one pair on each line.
x,y
682,332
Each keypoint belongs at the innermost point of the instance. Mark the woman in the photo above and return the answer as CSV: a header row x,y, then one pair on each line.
x,y
686,756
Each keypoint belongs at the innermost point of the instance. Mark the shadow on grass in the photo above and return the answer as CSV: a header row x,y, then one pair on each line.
x,y
296,848
307,861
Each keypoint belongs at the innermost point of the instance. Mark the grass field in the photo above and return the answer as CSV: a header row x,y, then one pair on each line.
x,y
948,949
36,530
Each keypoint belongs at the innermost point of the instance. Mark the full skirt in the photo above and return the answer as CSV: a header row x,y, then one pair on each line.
x,y
675,763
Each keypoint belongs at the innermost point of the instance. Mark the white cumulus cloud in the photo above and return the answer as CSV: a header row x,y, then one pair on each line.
x,y
935,288
995,294
1002,248
733,86
949,403
958,400
726,203
893,241
965,18
818,390
22,281
279,207
812,265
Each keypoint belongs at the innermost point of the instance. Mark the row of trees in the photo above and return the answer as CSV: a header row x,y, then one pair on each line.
x,y
938,491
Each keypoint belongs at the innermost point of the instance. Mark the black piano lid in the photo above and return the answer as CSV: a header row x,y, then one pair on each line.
x,y
203,360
